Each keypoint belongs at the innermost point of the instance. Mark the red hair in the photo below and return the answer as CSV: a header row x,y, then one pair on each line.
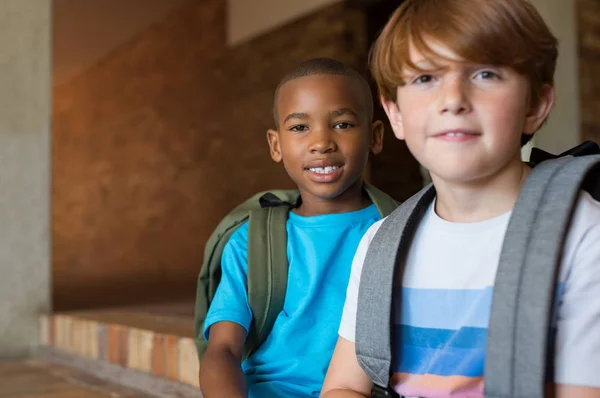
x,y
509,33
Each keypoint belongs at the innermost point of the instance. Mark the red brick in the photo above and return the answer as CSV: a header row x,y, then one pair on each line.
x,y
159,356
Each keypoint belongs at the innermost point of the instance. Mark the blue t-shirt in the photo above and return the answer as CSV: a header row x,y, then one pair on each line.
x,y
293,360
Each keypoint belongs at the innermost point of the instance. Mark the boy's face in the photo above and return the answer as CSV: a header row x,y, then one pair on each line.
x,y
324,137
463,122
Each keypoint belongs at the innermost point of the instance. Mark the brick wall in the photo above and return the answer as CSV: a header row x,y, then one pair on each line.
x,y
588,15
155,143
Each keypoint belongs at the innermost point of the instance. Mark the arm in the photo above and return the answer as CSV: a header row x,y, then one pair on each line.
x,y
226,324
568,391
345,378
221,372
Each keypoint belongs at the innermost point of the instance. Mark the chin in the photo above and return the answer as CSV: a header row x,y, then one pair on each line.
x,y
325,191
456,175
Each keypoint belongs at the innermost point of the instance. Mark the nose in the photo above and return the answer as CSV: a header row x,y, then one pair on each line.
x,y
322,141
454,96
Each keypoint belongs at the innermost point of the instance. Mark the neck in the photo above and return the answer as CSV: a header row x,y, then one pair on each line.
x,y
351,199
482,199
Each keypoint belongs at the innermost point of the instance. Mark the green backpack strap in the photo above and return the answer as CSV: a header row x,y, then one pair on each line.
x,y
267,271
210,273
384,203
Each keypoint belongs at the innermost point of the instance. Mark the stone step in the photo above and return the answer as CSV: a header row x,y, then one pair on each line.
x,y
130,344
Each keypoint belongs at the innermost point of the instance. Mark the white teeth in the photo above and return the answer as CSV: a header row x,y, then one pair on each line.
x,y
455,134
324,170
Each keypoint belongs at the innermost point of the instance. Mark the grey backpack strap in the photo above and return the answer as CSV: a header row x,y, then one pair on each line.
x,y
524,290
374,308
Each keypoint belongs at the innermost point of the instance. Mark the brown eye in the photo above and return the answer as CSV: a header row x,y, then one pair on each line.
x,y
343,125
298,128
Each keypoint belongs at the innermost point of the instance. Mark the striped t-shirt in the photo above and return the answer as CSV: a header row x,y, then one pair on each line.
x,y
441,323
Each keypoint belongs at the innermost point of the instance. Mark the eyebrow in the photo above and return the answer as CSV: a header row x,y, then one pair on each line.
x,y
295,115
343,111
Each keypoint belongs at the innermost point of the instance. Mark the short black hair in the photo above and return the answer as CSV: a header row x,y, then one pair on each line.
x,y
324,66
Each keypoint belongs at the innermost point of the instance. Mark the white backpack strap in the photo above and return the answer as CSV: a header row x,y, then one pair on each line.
x,y
519,342
374,309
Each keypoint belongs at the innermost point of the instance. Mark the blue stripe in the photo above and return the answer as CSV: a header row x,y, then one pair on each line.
x,y
441,338
440,351
443,308
449,362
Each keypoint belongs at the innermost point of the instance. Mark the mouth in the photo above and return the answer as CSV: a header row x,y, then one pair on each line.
x,y
324,171
457,135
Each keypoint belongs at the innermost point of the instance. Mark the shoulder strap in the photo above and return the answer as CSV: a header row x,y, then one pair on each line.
x,y
210,275
383,261
384,203
267,271
525,285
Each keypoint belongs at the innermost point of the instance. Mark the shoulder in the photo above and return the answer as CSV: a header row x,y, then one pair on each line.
x,y
370,234
238,241
584,234
586,218
587,211
363,247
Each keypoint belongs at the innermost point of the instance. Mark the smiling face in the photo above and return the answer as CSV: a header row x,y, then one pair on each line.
x,y
324,136
463,121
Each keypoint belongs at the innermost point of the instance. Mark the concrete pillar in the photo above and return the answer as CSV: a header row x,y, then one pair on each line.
x,y
25,87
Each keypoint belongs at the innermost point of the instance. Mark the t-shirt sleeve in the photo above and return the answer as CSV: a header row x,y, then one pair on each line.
x,y
347,328
230,302
578,324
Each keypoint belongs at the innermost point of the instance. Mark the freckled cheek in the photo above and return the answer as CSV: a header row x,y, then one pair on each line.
x,y
415,114
507,117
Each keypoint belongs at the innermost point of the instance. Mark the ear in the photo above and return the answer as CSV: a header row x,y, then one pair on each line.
x,y
377,130
274,145
393,113
539,113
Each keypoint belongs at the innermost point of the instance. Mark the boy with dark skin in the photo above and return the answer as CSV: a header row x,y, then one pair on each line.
x,y
324,134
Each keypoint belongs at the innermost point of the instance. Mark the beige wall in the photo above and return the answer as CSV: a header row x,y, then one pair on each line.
x,y
250,18
24,172
563,128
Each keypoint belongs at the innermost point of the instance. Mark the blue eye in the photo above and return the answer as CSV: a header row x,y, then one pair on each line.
x,y
423,79
487,74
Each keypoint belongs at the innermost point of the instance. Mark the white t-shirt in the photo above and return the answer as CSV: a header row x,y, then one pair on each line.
x,y
446,299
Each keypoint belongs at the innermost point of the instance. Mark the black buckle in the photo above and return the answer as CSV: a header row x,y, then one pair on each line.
x,y
381,392
271,200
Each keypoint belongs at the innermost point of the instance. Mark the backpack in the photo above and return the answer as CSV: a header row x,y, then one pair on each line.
x,y
519,343
267,214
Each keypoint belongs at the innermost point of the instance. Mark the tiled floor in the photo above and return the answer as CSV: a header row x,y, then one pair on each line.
x,y
38,379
